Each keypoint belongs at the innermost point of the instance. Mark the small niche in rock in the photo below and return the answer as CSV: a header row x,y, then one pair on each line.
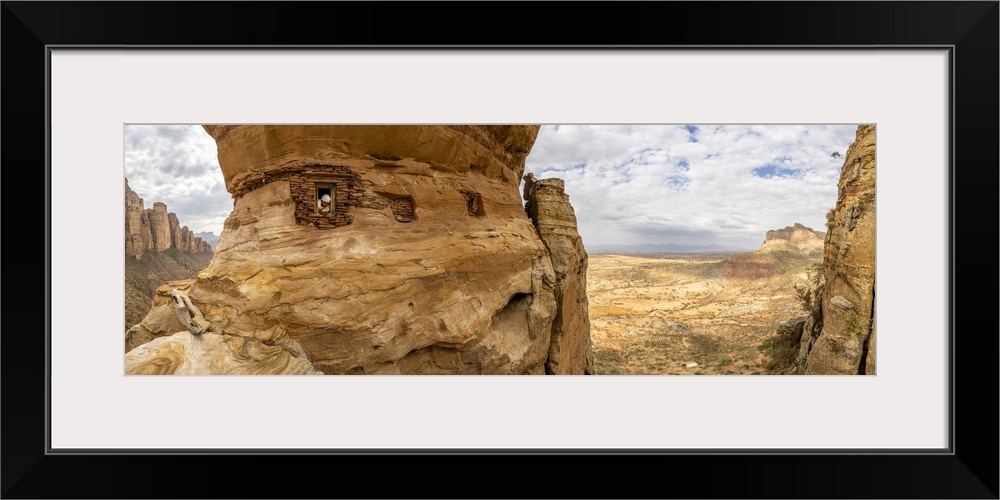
x,y
402,208
474,204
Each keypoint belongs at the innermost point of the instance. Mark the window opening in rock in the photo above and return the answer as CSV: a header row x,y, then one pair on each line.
x,y
325,200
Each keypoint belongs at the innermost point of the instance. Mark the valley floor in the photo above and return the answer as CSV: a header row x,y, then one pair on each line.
x,y
654,314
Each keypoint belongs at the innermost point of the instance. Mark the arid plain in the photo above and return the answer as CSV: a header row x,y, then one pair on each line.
x,y
659,313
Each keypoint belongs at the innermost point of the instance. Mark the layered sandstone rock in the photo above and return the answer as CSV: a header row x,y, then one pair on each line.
x,y
799,236
839,335
175,231
427,262
548,206
156,229
147,233
211,354
137,235
161,319
159,225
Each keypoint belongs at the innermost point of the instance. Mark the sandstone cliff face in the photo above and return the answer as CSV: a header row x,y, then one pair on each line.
x,y
175,230
839,335
548,206
159,225
155,229
799,236
137,235
425,263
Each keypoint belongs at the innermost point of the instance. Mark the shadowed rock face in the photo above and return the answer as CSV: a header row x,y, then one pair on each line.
x,y
425,261
840,332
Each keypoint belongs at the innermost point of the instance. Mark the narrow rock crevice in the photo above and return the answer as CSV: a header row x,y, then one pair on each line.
x,y
866,346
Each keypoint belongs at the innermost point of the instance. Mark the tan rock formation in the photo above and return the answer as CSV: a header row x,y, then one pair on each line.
x,y
188,242
161,320
840,332
136,233
427,262
140,235
159,225
147,231
802,237
175,231
548,206
192,243
212,354
185,239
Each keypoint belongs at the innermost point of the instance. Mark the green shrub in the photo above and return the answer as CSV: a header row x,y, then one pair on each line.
x,y
781,351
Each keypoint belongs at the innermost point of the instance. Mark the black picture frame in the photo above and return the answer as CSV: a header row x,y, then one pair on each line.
x,y
968,470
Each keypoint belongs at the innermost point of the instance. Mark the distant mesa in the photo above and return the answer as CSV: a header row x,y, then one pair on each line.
x,y
784,250
798,236
155,229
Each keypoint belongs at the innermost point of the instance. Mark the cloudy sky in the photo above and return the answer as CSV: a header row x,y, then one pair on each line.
x,y
629,184
178,165
693,184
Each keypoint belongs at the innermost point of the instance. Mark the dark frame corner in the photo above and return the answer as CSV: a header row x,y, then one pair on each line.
x,y
969,470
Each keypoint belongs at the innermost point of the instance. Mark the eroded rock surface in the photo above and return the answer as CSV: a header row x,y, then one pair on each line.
x,y
159,225
839,335
137,234
549,208
161,319
426,263
211,354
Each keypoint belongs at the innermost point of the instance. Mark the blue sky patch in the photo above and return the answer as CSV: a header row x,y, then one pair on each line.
x,y
677,181
691,130
769,171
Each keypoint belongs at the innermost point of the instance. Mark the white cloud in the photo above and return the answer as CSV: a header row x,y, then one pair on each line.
x,y
629,184
693,185
178,165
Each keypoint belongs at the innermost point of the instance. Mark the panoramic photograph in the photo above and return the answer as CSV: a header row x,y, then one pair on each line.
x,y
681,249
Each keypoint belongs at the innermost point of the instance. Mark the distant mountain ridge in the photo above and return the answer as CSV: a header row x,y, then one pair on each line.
x,y
661,247
210,237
